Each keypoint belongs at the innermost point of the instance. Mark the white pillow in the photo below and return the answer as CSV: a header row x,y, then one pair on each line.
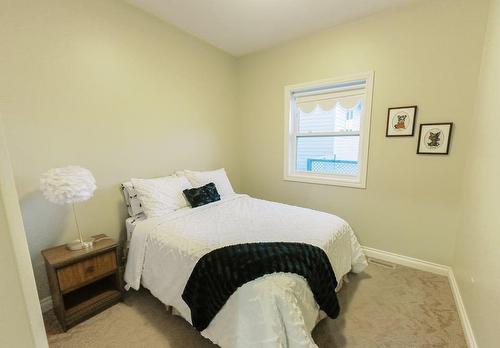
x,y
161,195
134,205
218,177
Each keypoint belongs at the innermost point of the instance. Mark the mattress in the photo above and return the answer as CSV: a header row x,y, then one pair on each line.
x,y
277,310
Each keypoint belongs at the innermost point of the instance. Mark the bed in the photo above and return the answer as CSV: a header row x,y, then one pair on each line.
x,y
276,310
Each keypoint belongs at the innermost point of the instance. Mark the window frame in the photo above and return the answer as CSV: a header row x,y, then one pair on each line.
x,y
290,135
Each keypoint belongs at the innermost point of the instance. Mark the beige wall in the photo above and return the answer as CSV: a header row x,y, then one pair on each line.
x,y
103,85
15,328
21,323
427,54
477,265
100,84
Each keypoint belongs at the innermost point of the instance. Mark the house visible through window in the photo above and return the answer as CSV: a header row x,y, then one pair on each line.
x,y
327,130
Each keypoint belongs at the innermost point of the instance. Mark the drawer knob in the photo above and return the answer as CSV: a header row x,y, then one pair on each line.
x,y
90,269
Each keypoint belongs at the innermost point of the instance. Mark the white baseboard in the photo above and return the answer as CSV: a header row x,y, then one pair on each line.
x,y
464,318
432,268
407,261
46,304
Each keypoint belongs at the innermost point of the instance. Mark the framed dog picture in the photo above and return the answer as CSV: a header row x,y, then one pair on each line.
x,y
401,121
434,138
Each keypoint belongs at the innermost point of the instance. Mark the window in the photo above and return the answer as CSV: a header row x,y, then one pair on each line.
x,y
327,127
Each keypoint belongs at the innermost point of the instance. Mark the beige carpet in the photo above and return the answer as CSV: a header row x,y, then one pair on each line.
x,y
381,307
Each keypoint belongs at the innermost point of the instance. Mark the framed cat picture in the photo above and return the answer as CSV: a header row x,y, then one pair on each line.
x,y
401,121
434,138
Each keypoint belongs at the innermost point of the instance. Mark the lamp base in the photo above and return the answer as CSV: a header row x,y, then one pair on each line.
x,y
79,245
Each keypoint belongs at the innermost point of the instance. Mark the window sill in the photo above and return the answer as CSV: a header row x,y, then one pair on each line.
x,y
322,180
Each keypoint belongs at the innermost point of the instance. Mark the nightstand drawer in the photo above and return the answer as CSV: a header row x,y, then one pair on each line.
x,y
78,274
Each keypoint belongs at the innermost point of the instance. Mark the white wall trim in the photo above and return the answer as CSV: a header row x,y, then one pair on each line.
x,y
436,269
46,304
407,261
464,318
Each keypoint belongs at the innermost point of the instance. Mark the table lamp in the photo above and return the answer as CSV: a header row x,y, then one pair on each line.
x,y
69,185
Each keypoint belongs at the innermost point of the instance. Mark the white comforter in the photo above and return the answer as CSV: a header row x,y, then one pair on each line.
x,y
277,310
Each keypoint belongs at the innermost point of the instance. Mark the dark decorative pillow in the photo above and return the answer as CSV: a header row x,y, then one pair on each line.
x,y
199,196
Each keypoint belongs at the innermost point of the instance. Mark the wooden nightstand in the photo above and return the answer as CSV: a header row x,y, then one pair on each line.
x,y
83,282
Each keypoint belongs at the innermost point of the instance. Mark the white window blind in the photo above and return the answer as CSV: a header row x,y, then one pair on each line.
x,y
327,132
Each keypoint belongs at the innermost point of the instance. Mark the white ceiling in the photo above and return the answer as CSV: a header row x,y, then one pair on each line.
x,y
244,26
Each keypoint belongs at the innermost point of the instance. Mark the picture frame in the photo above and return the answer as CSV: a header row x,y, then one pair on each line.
x,y
434,138
401,121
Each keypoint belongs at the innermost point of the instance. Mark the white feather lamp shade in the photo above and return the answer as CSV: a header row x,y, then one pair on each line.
x,y
66,185
69,185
